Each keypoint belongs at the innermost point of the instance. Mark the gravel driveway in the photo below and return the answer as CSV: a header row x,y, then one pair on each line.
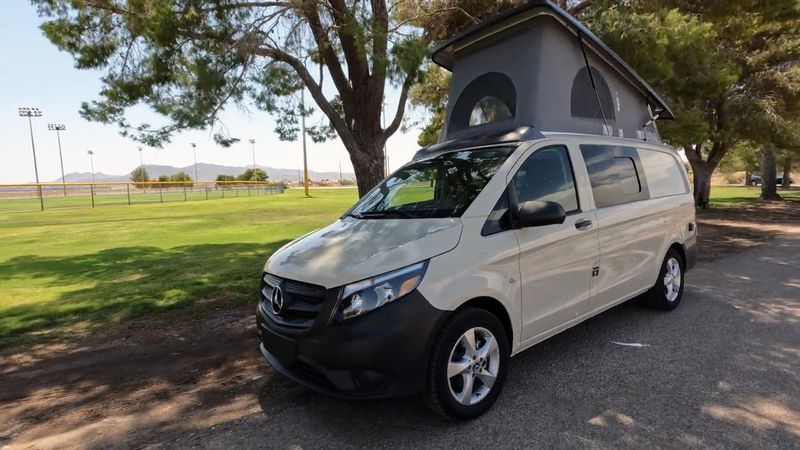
x,y
723,370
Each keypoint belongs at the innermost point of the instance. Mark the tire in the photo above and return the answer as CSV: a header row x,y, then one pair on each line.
x,y
666,294
448,395
754,183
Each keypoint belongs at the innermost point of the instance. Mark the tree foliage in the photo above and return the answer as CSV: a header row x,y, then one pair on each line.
x,y
140,175
729,69
189,59
253,175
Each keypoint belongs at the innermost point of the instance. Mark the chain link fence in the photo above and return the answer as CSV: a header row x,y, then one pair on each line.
x,y
46,196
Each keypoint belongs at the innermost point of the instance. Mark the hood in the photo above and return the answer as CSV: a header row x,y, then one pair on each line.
x,y
352,249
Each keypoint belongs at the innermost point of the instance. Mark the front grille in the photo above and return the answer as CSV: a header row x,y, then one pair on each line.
x,y
302,302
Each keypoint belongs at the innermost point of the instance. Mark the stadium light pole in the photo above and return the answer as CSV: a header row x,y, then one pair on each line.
x,y
91,162
303,130
194,152
253,145
58,128
141,162
30,113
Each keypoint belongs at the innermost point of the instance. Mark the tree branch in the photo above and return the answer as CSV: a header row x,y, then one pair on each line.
x,y
354,53
327,108
401,108
328,55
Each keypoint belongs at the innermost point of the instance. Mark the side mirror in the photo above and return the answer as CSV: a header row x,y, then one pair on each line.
x,y
539,213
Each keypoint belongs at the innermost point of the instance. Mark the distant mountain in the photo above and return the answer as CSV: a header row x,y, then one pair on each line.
x,y
205,172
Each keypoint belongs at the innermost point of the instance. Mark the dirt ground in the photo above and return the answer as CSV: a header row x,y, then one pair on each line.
x,y
151,382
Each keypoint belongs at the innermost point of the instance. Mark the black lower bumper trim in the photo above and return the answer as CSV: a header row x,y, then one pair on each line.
x,y
314,385
382,354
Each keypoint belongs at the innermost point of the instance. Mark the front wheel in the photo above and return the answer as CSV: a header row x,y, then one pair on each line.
x,y
666,294
468,365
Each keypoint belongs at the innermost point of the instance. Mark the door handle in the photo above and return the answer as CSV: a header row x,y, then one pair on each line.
x,y
583,223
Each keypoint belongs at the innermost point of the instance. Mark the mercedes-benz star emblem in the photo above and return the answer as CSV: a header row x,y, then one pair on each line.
x,y
277,300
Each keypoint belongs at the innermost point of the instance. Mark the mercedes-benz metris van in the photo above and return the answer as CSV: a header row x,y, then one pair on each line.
x,y
467,256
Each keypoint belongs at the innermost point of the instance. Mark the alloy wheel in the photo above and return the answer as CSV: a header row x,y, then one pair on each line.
x,y
473,366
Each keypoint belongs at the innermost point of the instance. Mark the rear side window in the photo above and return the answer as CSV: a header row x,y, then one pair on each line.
x,y
616,174
664,173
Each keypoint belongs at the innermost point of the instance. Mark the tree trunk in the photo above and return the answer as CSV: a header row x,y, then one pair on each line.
x,y
769,188
368,166
704,168
702,184
747,176
787,171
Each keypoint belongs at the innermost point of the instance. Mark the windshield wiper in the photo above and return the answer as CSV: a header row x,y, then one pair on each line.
x,y
354,215
385,213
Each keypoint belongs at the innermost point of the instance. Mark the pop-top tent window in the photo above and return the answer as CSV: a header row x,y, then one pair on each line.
x,y
489,110
490,98
584,99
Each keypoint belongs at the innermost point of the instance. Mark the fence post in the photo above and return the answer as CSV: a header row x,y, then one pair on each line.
x,y
184,191
41,197
127,185
91,193
206,184
160,194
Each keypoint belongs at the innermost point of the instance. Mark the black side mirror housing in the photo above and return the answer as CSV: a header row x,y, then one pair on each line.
x,y
539,213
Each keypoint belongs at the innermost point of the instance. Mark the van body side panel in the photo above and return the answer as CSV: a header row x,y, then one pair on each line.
x,y
556,263
481,266
631,236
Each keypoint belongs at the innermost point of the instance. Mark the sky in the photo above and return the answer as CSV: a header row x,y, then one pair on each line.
x,y
34,73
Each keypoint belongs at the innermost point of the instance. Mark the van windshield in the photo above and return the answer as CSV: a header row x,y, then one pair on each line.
x,y
441,186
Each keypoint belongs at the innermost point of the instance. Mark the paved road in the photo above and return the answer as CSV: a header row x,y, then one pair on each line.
x,y
723,370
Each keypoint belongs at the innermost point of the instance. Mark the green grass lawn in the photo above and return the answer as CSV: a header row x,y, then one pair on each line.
x,y
64,270
741,195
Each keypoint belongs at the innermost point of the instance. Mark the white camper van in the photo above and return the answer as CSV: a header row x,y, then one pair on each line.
x,y
483,245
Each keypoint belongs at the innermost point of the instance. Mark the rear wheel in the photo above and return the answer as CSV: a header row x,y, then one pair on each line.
x,y
468,365
666,294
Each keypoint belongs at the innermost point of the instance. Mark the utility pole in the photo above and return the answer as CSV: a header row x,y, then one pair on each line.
x,y
33,112
91,162
341,180
194,151
58,128
303,128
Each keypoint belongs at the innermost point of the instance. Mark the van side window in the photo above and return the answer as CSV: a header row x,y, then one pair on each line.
x,y
664,173
616,174
547,176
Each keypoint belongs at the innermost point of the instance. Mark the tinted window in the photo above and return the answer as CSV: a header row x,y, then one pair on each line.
x,y
584,100
616,174
442,186
547,176
664,173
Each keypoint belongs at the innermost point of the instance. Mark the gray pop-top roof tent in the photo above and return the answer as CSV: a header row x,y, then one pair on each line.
x,y
537,66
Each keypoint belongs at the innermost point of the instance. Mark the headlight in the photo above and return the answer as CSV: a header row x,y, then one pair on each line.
x,y
364,296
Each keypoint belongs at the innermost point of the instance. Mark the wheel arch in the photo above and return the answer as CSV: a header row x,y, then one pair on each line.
x,y
495,307
677,246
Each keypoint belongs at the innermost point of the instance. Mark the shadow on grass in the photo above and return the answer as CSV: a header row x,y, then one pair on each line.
x,y
115,285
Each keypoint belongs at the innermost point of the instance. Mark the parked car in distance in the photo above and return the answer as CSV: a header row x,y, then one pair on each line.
x,y
470,254
755,179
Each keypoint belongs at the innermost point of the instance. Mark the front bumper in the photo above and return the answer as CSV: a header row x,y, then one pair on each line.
x,y
381,354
